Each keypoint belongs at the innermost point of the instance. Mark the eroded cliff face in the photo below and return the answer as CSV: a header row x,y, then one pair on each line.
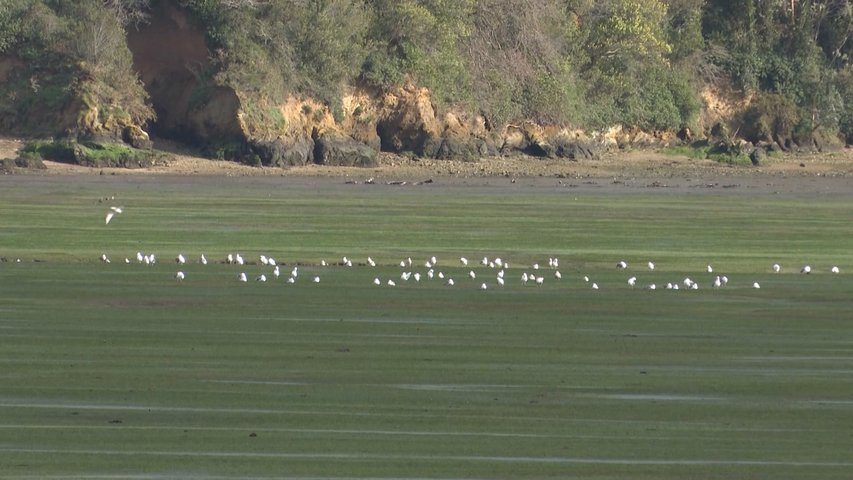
x,y
173,62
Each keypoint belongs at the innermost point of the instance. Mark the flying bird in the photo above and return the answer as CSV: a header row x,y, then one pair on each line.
x,y
113,212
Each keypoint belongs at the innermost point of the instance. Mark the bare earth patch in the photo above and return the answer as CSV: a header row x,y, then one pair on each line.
x,y
801,173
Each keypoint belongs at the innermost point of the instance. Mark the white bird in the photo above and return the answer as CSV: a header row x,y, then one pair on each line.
x,y
263,259
242,277
261,278
651,266
271,261
464,261
344,260
376,281
441,275
430,274
349,263
652,286
276,272
291,280
450,282
147,260
323,263
535,266
472,275
725,280
104,258
501,273
524,277
491,264
180,259
688,282
126,260
777,267
239,259
484,261
501,281
717,282
433,260
756,285
694,286
428,264
153,258
632,281
622,264
179,276
675,286
710,269
558,275
669,285
316,280
203,260
139,257
113,212
540,281
483,287
417,277
405,276
371,262
586,278
806,269
391,283
402,264
229,259
499,262
295,272
835,269
595,286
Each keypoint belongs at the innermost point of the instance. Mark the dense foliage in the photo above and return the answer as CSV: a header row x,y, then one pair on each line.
x,y
582,62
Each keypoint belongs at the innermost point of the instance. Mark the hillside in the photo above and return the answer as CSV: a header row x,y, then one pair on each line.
x,y
334,82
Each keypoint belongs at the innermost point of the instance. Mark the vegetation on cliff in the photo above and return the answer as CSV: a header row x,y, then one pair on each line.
x,y
583,63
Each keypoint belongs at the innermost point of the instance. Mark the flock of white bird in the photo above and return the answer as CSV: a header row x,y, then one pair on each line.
x,y
496,268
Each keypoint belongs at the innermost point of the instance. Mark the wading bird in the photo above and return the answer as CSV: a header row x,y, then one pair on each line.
x,y
777,267
806,269
835,269
179,276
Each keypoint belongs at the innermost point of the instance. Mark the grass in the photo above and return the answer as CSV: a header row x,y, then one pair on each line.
x,y
730,156
89,153
114,370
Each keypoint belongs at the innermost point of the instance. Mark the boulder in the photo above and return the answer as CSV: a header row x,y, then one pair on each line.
x,y
283,153
30,161
341,150
464,148
758,156
574,150
137,138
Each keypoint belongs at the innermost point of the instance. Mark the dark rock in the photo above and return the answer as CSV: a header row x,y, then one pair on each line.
x,y
572,150
281,153
341,150
464,148
31,161
758,156
540,149
7,165
137,138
